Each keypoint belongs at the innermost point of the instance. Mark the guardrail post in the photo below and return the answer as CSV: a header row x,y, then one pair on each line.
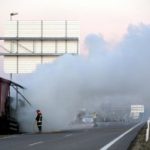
x,y
147,130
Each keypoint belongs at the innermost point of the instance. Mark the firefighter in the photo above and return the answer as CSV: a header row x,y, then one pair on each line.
x,y
94,118
39,120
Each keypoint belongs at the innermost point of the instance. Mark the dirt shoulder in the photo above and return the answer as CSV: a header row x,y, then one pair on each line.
x,y
139,142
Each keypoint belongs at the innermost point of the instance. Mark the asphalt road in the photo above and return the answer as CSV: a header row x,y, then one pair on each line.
x,y
85,139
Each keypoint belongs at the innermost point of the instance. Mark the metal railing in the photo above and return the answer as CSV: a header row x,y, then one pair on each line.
x,y
147,130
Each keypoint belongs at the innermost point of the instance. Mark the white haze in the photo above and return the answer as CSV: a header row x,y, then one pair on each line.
x,y
120,76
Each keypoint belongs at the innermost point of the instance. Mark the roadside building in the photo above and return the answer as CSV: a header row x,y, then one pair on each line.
x,y
29,43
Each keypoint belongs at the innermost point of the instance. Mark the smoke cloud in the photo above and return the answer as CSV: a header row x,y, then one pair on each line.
x,y
118,77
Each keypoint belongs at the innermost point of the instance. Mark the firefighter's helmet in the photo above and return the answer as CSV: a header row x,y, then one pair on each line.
x,y
37,110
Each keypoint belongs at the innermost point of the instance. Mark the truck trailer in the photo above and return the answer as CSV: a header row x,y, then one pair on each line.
x,y
8,113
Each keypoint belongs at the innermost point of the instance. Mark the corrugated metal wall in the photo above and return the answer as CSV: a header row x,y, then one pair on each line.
x,y
39,39
25,64
47,47
49,29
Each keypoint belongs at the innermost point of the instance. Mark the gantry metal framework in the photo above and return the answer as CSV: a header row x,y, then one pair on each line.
x,y
41,36
16,38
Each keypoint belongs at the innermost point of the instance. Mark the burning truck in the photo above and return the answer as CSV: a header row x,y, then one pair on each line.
x,y
9,105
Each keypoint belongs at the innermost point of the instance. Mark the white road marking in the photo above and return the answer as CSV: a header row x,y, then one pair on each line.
x,y
68,135
119,137
33,144
7,137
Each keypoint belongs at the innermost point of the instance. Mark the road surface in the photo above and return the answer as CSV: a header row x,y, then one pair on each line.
x,y
85,139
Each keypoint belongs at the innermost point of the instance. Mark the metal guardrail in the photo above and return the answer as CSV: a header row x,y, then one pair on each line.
x,y
147,130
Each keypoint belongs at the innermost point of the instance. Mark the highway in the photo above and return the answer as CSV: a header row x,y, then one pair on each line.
x,y
83,139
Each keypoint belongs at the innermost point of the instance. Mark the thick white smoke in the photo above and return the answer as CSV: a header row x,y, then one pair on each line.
x,y
120,76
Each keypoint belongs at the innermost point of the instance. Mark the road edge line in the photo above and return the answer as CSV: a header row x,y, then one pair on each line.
x,y
7,137
36,143
119,137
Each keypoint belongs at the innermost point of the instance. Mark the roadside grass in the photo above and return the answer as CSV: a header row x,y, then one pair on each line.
x,y
139,142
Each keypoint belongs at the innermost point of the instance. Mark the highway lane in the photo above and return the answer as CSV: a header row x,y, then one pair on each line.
x,y
85,139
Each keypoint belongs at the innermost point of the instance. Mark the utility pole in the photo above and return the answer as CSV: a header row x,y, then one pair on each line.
x,y
11,15
11,75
